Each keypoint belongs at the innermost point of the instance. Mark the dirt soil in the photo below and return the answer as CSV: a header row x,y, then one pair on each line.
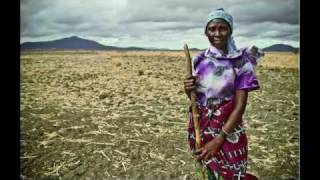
x,y
123,115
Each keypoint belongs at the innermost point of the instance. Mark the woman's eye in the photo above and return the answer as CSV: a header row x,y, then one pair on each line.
x,y
224,28
212,29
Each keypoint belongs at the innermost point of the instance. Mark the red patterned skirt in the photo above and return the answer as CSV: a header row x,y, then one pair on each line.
x,y
231,160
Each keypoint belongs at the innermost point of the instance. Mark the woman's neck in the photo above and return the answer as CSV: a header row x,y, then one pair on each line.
x,y
224,50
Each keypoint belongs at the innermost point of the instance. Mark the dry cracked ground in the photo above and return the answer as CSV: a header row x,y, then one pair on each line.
x,y
122,115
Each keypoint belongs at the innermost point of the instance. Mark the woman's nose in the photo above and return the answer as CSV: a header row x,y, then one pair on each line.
x,y
216,33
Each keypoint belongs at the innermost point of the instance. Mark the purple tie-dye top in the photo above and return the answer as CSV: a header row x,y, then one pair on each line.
x,y
220,75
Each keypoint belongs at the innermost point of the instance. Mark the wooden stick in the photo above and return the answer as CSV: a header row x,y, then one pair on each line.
x,y
195,113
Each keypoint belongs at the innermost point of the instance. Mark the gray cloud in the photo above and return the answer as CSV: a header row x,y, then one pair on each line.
x,y
249,11
267,29
162,22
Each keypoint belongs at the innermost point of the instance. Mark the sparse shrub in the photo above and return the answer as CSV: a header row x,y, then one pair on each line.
x,y
140,72
103,96
148,72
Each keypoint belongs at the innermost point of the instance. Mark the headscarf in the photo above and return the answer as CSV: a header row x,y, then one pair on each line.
x,y
221,14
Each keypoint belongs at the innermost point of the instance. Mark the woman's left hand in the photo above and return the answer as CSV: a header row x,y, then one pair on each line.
x,y
210,149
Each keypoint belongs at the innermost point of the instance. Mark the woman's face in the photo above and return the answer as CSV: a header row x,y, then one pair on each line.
x,y
218,33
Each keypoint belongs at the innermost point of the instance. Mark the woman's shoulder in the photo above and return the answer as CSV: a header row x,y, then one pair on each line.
x,y
198,57
251,54
237,54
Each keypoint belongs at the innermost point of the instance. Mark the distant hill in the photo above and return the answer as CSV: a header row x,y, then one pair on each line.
x,y
71,43
77,43
281,48
196,49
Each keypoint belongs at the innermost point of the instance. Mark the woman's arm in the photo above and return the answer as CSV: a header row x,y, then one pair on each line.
x,y
234,119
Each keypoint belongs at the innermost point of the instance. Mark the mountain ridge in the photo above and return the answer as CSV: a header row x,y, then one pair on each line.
x,y
280,48
77,43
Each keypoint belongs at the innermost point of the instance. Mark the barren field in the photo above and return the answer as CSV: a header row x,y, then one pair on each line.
x,y
123,115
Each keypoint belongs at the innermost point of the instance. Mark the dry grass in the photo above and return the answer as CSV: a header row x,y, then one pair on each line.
x,y
109,115
281,60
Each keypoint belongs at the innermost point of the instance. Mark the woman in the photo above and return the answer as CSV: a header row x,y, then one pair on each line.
x,y
222,78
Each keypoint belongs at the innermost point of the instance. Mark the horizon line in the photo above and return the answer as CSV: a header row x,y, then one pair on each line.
x,y
146,48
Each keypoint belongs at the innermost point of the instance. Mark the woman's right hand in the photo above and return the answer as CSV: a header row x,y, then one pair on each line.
x,y
189,85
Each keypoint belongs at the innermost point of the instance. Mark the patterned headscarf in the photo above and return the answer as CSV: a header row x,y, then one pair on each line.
x,y
221,14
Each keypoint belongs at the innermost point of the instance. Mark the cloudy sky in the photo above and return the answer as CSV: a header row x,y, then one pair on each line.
x,y
158,23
